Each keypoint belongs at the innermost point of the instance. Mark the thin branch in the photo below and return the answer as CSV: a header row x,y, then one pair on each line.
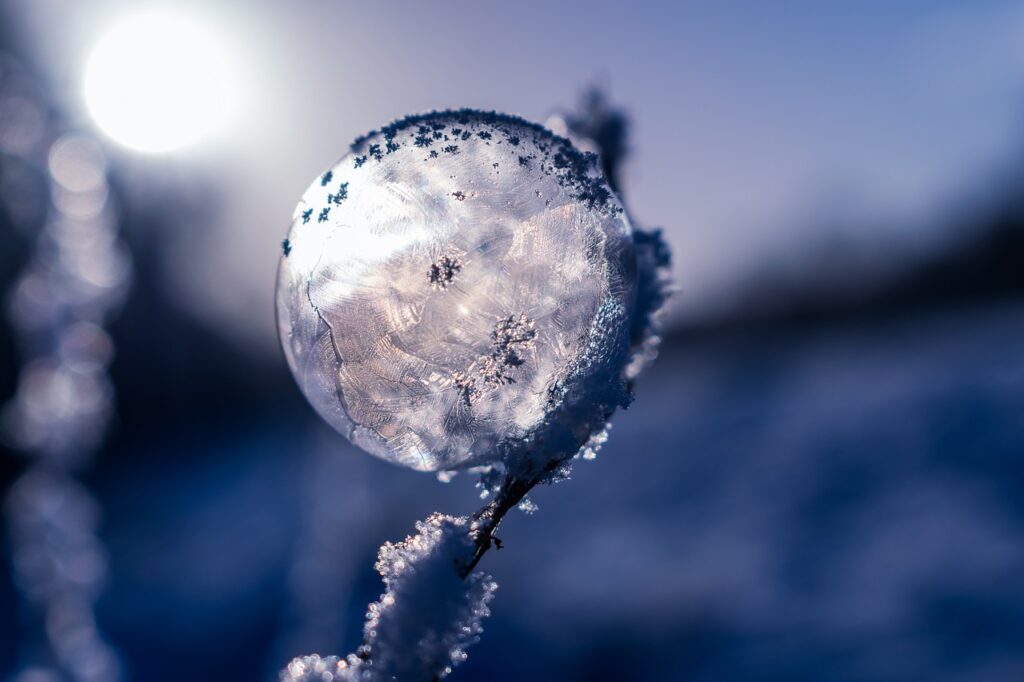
x,y
487,519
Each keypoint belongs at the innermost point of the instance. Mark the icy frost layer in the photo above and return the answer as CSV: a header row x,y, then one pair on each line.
x,y
458,287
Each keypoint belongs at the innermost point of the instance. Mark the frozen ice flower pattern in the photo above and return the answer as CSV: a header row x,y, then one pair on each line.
x,y
465,292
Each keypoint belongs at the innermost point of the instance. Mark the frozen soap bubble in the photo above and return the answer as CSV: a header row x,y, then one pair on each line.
x,y
458,291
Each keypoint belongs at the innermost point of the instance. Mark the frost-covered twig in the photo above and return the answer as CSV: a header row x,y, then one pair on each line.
x,y
427,617
510,492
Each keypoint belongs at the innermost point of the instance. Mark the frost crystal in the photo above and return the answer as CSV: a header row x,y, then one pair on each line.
x,y
527,506
466,291
323,669
593,446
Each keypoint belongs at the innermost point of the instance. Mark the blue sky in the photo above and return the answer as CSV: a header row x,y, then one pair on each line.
x,y
760,128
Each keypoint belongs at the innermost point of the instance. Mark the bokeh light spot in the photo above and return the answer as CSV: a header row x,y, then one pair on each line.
x,y
158,81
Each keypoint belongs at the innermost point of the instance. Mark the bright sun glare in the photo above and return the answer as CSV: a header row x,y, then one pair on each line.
x,y
158,81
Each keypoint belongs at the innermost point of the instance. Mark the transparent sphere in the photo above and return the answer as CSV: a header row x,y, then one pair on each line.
x,y
458,290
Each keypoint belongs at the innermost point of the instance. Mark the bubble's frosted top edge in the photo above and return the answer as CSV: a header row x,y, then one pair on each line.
x,y
576,168
464,116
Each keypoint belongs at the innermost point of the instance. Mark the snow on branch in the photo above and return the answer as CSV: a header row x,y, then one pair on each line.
x,y
427,617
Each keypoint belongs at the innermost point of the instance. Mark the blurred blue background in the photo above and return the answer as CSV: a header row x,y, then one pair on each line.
x,y
822,476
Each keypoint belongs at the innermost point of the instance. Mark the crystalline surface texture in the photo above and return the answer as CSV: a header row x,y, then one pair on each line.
x,y
454,286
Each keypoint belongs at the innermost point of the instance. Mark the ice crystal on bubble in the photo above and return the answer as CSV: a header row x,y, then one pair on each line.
x,y
520,330
443,272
